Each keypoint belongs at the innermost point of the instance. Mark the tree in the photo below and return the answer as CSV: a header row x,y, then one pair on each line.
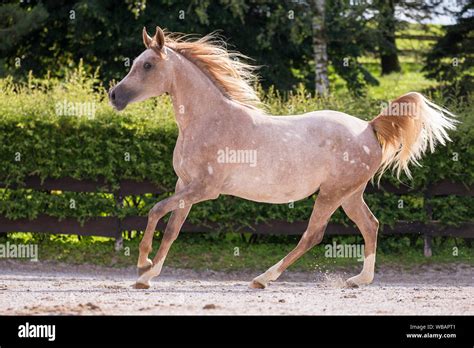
x,y
320,47
387,46
16,24
451,60
388,22
349,37
277,34
107,33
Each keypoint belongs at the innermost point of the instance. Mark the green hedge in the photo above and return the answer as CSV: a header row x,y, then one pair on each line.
x,y
138,144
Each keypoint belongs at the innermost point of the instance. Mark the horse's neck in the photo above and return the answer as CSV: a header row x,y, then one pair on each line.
x,y
196,100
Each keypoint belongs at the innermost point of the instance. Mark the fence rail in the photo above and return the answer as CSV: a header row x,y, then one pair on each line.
x,y
110,226
418,37
107,226
131,187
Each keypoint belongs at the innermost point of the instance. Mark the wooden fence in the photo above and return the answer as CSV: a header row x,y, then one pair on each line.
x,y
110,226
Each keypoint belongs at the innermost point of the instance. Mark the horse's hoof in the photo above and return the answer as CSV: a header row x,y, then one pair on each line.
x,y
141,286
142,270
256,285
146,268
359,280
353,282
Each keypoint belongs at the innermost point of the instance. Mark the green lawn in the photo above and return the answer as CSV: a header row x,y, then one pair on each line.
x,y
394,85
411,53
390,87
230,252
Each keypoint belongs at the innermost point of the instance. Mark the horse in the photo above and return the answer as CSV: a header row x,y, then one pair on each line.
x,y
218,111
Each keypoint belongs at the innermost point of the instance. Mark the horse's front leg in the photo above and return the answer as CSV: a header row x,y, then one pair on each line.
x,y
144,263
173,227
180,203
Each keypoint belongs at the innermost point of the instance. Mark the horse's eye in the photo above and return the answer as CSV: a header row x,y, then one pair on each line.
x,y
147,66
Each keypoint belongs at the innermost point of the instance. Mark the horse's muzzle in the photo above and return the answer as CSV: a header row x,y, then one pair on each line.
x,y
118,98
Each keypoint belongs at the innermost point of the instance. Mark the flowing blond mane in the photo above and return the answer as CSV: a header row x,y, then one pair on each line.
x,y
226,69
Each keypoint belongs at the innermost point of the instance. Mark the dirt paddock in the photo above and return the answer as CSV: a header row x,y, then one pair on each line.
x,y
30,288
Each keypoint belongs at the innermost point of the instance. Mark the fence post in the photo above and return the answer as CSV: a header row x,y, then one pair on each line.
x,y
118,237
427,238
427,248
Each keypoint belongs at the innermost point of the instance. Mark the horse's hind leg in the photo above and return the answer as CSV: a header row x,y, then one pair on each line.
x,y
326,204
357,211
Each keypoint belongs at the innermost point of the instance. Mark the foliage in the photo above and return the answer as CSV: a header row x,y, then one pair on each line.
x,y
349,37
451,60
19,22
108,34
138,143
49,35
387,20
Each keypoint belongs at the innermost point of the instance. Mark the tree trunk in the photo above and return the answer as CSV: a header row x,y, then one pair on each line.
x,y
388,48
320,48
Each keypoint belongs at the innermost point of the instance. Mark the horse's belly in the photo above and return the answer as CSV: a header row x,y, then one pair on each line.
x,y
258,190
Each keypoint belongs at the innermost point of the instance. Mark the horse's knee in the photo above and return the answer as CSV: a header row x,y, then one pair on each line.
x,y
170,236
317,238
309,241
145,246
154,213
305,244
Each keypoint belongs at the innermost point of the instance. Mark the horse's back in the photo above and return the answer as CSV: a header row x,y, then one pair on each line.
x,y
335,118
324,122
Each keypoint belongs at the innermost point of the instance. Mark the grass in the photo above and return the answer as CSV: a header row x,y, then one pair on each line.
x,y
230,252
394,85
390,86
415,45
411,53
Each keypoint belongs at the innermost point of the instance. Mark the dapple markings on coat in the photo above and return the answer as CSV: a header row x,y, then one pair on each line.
x,y
328,152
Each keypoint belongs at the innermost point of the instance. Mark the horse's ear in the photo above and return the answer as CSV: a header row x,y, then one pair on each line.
x,y
146,38
159,38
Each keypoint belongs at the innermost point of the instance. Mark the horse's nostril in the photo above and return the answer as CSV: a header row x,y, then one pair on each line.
x,y
112,95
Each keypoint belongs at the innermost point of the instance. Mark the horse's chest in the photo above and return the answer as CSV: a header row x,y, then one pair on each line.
x,y
178,160
186,158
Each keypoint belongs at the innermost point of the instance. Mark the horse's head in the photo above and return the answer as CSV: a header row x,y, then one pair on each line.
x,y
149,75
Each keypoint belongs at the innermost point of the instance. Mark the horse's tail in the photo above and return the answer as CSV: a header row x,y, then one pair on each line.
x,y
405,129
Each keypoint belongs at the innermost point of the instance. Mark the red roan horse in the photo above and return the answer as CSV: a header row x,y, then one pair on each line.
x,y
217,110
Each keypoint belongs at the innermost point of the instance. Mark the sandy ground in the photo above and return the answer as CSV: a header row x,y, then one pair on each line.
x,y
31,288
